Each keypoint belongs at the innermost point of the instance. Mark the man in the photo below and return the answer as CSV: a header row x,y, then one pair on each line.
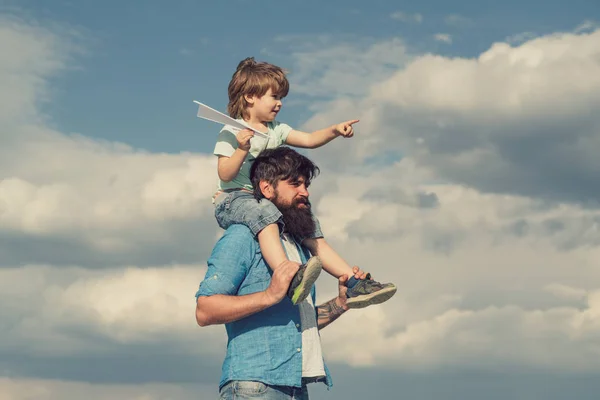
x,y
273,348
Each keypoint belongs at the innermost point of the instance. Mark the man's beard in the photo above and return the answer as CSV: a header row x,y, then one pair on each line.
x,y
298,221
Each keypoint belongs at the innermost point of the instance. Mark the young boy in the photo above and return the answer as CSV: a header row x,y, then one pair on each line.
x,y
255,94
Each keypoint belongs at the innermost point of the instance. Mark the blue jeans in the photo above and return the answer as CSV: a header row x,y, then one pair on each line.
x,y
258,390
241,207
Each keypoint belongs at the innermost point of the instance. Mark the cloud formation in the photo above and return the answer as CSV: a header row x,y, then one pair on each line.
x,y
407,17
487,221
508,121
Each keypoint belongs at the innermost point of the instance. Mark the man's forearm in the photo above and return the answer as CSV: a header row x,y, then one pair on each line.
x,y
222,309
329,312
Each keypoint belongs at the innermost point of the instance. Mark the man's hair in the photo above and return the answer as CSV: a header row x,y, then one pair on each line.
x,y
253,78
280,164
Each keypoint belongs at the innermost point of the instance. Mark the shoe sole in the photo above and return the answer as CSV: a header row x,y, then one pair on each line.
x,y
366,300
311,273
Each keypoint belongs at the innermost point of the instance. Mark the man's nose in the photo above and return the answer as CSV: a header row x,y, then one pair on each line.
x,y
302,190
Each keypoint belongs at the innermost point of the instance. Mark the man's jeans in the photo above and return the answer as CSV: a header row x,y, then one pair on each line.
x,y
258,390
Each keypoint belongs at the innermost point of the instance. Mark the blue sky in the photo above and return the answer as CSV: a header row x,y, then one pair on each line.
x,y
471,182
141,63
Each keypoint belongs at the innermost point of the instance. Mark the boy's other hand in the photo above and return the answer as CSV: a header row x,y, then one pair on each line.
x,y
359,273
243,139
345,128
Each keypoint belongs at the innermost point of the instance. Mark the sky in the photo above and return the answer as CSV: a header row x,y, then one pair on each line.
x,y
472,183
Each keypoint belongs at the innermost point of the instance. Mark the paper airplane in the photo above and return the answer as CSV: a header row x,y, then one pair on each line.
x,y
213,115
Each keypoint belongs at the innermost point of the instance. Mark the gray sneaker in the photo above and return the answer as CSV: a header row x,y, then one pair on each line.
x,y
304,279
367,292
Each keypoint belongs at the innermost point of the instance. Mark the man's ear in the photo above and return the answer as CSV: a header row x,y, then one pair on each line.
x,y
266,189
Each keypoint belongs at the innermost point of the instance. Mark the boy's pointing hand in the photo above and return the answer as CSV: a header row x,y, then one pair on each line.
x,y
345,128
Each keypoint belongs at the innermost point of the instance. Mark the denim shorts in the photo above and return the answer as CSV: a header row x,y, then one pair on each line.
x,y
241,207
258,390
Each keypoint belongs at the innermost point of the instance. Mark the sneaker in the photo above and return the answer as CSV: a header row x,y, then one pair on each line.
x,y
304,279
367,292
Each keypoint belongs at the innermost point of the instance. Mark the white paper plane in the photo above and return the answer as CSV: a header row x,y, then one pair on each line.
x,y
213,115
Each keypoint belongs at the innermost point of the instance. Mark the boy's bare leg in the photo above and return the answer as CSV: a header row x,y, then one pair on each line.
x,y
274,254
271,247
333,263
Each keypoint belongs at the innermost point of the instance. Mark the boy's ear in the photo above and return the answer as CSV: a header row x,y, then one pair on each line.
x,y
249,99
266,189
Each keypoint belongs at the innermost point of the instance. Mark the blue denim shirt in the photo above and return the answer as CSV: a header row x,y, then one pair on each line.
x,y
266,346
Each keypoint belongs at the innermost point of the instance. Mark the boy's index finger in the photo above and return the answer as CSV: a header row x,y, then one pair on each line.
x,y
352,122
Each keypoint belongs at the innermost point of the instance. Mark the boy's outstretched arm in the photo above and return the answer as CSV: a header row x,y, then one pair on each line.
x,y
320,137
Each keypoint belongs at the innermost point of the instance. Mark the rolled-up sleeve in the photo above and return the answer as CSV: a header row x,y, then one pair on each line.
x,y
226,142
229,262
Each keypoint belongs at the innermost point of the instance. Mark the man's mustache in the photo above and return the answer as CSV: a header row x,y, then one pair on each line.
x,y
302,200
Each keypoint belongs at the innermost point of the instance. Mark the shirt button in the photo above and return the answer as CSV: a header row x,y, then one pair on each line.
x,y
297,325
298,349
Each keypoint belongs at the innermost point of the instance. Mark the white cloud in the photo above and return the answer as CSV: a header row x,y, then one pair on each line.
x,y
407,17
586,26
443,37
506,121
476,274
35,55
458,21
59,311
327,66
519,38
38,389
102,199
482,266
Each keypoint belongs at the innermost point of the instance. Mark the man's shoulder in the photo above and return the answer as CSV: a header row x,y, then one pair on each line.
x,y
237,241
240,233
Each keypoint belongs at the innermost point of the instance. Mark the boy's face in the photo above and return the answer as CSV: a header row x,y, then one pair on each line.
x,y
266,107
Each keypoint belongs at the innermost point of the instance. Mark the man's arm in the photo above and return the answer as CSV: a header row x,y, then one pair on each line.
x,y
320,137
330,311
222,308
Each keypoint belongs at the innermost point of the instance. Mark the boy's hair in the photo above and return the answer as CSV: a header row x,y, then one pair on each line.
x,y
253,78
280,164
